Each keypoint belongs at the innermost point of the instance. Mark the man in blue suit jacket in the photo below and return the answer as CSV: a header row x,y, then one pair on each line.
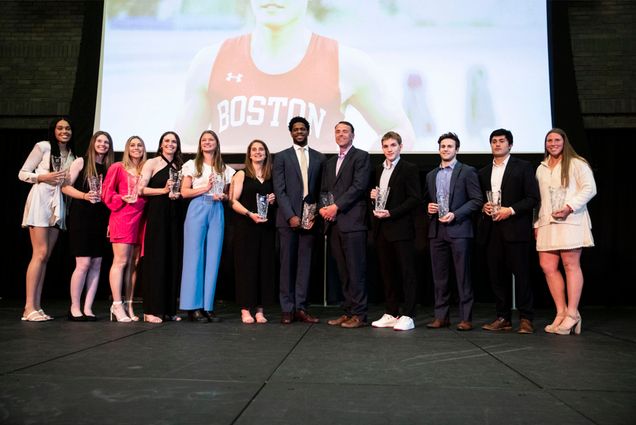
x,y
296,175
346,177
451,230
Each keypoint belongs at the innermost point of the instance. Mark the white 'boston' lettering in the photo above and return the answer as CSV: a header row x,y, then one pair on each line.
x,y
256,114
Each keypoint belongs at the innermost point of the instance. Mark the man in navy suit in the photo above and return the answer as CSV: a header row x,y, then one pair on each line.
x,y
346,177
451,230
394,233
296,175
507,231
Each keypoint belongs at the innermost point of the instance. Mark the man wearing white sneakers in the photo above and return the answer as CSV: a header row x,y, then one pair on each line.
x,y
394,232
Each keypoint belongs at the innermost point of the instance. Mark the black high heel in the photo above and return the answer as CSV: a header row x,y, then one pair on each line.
x,y
212,317
80,318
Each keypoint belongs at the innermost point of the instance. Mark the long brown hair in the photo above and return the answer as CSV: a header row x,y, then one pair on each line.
x,y
127,162
218,166
267,164
567,154
90,170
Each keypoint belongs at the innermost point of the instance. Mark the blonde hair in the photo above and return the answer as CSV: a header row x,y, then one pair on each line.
x,y
127,162
567,155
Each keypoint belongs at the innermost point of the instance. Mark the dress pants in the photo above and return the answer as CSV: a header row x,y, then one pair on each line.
x,y
295,265
444,248
202,247
350,252
397,267
505,259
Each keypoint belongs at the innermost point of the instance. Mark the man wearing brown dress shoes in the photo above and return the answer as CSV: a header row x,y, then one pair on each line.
x,y
349,322
304,317
438,324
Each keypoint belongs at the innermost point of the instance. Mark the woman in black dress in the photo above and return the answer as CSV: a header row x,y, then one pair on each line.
x,y
88,222
253,234
163,241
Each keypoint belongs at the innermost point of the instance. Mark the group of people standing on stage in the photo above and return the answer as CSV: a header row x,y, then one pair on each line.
x,y
136,202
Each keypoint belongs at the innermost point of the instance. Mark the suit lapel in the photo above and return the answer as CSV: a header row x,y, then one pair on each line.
x,y
294,160
454,176
345,162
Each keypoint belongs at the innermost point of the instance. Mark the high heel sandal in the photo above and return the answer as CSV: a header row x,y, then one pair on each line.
x,y
152,318
552,327
43,314
130,311
246,317
117,309
260,317
569,325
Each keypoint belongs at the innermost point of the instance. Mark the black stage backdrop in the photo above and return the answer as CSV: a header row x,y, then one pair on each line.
x,y
607,267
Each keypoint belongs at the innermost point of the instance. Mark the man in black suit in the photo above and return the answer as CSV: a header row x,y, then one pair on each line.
x,y
506,231
451,230
346,177
394,233
296,175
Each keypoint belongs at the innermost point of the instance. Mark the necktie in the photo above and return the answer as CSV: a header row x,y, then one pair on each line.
x,y
303,172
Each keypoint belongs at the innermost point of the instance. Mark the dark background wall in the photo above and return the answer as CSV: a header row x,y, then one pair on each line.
x,y
49,53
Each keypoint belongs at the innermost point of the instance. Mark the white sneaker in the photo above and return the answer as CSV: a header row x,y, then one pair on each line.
x,y
404,323
386,321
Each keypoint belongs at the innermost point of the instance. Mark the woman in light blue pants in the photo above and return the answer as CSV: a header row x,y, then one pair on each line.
x,y
204,179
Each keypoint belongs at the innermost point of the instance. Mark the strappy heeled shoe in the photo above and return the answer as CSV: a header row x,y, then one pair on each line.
x,y
34,316
552,327
150,318
43,314
117,310
569,325
246,317
128,305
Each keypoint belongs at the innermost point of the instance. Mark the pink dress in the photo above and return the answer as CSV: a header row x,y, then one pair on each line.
x,y
126,220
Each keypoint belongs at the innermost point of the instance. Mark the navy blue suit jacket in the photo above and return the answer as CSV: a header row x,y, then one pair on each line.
x,y
288,183
465,197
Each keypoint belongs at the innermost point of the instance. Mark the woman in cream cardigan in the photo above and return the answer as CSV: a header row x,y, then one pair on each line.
x,y
563,226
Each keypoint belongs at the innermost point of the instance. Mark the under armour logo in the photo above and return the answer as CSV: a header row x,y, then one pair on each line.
x,y
237,77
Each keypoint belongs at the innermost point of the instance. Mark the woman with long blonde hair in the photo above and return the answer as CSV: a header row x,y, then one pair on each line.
x,y
563,226
125,225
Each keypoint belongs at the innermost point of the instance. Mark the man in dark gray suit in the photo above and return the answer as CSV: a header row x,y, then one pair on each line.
x,y
296,175
453,195
346,177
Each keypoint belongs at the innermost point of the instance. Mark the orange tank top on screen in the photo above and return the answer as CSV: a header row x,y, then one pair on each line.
x,y
249,104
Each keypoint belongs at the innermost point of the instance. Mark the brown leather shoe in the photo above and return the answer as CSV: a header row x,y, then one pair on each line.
x,y
500,324
339,321
286,318
303,316
355,322
438,324
464,325
525,327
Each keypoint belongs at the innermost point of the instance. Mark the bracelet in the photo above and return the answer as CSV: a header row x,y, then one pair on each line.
x,y
247,213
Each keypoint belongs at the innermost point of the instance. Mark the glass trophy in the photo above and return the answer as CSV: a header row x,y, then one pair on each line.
x,y
309,214
557,199
261,205
326,199
494,198
95,186
133,188
56,161
380,198
175,176
442,204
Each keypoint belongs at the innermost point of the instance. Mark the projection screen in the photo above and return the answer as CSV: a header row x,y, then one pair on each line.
x,y
244,68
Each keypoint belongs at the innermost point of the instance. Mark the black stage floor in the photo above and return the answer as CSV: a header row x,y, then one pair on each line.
x,y
61,372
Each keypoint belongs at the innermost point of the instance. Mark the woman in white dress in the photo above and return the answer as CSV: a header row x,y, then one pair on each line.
x,y
44,212
563,226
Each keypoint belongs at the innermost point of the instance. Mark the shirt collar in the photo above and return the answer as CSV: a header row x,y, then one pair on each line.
x,y
503,164
343,154
451,165
388,165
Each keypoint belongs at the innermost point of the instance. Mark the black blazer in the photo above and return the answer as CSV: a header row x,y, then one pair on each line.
x,y
349,188
465,198
404,197
288,183
520,191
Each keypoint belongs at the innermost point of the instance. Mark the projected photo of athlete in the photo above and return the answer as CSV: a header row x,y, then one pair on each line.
x,y
250,86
